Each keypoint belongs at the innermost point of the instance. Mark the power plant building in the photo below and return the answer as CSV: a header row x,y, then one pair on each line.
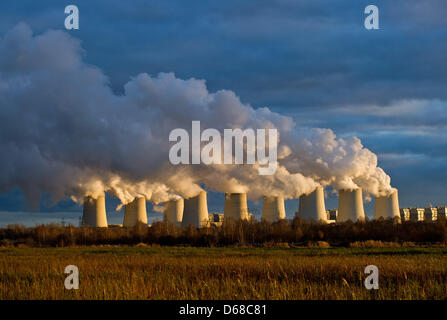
x,y
404,214
430,214
417,214
387,207
236,206
350,205
94,212
311,206
135,212
332,214
216,219
273,208
173,211
196,211
442,212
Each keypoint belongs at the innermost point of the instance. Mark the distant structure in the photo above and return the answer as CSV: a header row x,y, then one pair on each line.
x,y
236,206
173,211
430,214
332,215
387,207
417,214
350,205
94,212
251,217
216,219
404,214
195,211
135,212
273,208
442,212
311,206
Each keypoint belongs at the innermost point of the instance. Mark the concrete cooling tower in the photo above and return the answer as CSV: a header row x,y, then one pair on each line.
x,y
311,206
350,205
173,211
135,212
236,206
94,212
195,211
273,208
387,207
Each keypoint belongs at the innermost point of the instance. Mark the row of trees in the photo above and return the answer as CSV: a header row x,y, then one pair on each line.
x,y
294,231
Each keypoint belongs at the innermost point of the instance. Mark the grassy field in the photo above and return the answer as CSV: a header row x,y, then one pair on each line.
x,y
223,273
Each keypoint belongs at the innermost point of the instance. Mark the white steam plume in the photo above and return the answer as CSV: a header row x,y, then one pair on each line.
x,y
64,131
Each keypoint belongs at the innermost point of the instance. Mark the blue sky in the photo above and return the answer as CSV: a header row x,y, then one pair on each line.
x,y
312,60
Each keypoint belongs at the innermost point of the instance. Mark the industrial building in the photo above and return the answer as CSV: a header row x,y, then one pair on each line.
x,y
387,207
273,208
350,205
417,214
442,212
94,212
173,211
332,214
194,210
312,207
236,206
216,219
404,214
135,212
430,214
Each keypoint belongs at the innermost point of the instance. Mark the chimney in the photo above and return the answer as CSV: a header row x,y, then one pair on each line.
x,y
387,207
173,211
311,206
236,206
196,211
273,208
350,205
135,212
94,212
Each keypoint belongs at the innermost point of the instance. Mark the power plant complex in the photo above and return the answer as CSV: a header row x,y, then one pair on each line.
x,y
194,211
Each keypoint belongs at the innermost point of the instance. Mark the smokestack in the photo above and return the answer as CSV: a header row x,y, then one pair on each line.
x,y
350,205
311,206
196,211
387,207
273,208
135,212
236,206
94,212
173,211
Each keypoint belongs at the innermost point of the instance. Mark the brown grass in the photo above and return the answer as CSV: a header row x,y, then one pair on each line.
x,y
142,272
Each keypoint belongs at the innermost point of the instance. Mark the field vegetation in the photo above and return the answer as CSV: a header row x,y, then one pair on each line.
x,y
152,272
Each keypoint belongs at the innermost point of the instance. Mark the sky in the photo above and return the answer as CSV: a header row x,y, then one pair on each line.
x,y
311,60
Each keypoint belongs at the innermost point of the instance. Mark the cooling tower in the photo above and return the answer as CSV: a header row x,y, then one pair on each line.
x,y
350,205
273,208
236,206
311,206
94,212
173,211
135,212
387,207
195,211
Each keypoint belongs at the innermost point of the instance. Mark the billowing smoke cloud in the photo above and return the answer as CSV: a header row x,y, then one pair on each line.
x,y
64,131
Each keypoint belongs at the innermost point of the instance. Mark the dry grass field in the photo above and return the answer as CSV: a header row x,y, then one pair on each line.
x,y
144,272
